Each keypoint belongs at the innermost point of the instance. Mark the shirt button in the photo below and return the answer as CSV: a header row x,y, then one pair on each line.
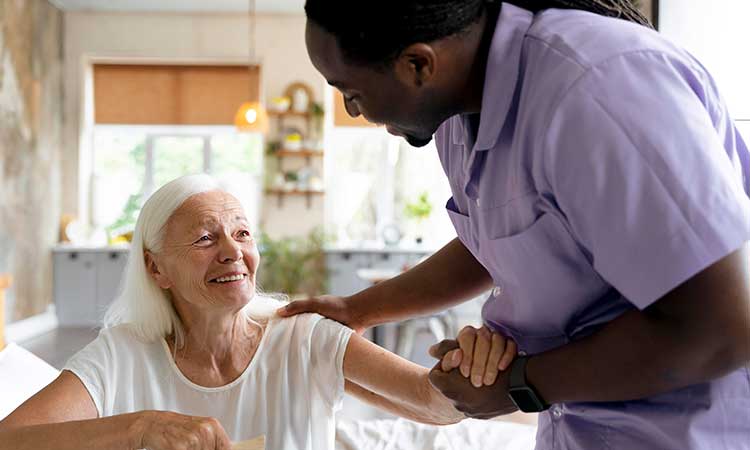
x,y
521,353
497,291
556,412
478,204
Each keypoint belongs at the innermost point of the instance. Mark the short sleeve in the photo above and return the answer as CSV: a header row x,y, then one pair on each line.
x,y
636,161
327,348
93,366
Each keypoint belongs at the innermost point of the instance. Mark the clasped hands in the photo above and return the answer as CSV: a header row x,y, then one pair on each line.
x,y
473,372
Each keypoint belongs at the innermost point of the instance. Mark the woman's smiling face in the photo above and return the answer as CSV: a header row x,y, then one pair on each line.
x,y
208,257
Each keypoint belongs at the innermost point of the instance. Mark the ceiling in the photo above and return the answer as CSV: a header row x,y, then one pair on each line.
x,y
182,6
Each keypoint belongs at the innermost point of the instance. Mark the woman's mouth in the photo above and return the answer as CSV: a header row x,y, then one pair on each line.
x,y
229,279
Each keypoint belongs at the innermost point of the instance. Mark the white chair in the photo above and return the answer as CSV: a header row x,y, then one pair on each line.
x,y
440,326
22,374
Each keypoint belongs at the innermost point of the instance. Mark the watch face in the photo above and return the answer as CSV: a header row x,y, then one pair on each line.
x,y
525,399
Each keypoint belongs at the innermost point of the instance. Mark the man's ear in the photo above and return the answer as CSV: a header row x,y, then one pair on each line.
x,y
416,64
152,267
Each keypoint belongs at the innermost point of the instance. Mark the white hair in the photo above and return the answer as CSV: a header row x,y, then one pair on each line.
x,y
141,304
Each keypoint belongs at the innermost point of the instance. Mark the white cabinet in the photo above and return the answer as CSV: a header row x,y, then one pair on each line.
x,y
85,283
717,33
343,266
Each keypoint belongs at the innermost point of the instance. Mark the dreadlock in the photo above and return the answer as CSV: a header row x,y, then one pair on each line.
x,y
621,9
376,32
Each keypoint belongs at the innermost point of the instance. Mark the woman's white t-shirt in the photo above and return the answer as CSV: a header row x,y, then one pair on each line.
x,y
289,392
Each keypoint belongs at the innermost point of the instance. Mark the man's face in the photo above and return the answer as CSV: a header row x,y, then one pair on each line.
x,y
381,96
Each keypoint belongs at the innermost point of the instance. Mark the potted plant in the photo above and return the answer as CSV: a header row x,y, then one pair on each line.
x,y
317,112
290,180
419,210
295,266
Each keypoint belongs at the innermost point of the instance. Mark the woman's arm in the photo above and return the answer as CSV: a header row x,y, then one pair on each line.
x,y
390,382
62,416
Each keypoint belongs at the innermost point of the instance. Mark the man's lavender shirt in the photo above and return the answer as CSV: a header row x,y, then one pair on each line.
x,y
603,171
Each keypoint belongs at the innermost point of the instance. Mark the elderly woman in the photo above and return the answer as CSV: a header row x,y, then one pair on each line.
x,y
191,358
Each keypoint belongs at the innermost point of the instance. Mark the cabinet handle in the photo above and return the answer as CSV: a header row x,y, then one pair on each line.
x,y
74,255
113,256
385,256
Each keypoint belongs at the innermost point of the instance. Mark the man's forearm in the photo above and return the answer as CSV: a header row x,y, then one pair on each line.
x,y
449,277
627,360
698,332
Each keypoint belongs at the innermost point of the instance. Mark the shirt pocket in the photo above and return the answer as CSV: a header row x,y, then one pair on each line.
x,y
544,279
462,224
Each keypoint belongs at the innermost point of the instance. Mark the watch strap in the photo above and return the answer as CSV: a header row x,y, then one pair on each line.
x,y
517,380
518,372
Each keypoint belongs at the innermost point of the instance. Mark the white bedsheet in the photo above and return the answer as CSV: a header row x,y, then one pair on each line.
x,y
402,434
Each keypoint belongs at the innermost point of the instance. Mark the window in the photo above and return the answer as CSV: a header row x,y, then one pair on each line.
x,y
131,162
744,127
371,176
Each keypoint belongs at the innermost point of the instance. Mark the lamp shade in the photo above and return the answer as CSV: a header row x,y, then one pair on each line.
x,y
251,116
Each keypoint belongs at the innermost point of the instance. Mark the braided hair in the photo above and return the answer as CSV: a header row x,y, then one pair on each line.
x,y
376,32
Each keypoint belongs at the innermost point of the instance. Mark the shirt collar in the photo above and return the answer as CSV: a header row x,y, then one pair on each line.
x,y
502,73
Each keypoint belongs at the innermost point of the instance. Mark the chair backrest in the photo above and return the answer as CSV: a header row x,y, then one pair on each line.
x,y
4,284
22,374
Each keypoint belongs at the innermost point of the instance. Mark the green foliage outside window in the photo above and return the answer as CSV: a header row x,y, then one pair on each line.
x,y
419,209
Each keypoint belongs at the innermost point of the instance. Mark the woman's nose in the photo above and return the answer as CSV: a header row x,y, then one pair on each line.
x,y
230,251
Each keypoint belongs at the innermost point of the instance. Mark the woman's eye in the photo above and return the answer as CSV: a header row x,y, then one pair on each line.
x,y
245,233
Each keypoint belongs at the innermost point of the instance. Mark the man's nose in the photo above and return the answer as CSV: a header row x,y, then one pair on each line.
x,y
351,108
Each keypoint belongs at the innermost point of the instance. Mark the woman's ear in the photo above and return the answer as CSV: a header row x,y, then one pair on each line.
x,y
152,267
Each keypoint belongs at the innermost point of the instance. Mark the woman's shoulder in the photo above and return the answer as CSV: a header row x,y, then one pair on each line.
x,y
123,339
309,327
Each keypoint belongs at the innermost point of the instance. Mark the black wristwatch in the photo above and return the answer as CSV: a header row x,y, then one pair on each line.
x,y
523,395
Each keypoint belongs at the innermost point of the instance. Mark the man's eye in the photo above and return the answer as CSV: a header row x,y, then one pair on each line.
x,y
204,239
245,233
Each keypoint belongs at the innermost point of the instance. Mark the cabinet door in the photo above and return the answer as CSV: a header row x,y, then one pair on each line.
x,y
389,261
75,288
110,267
343,272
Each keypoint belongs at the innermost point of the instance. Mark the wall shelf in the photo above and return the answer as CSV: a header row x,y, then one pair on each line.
x,y
280,193
304,114
301,153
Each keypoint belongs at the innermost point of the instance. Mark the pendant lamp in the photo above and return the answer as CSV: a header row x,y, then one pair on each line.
x,y
251,116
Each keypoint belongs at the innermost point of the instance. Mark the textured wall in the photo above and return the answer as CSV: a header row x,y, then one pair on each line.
x,y
30,137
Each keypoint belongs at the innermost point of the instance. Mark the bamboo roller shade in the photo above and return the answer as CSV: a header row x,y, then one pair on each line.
x,y
172,94
341,118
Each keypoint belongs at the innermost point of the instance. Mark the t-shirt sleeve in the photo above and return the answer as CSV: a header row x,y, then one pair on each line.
x,y
648,183
327,348
93,366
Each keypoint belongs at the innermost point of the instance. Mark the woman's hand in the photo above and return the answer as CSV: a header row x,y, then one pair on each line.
x,y
163,430
331,306
480,354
